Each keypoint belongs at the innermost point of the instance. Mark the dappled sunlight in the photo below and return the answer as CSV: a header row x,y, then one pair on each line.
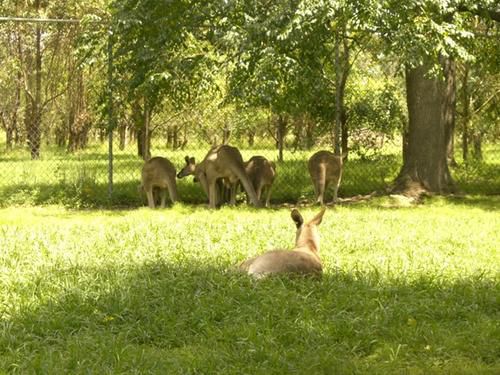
x,y
124,289
167,309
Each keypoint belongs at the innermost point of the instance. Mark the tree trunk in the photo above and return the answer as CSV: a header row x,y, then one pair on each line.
x,y
280,135
146,144
35,120
141,118
122,133
251,137
170,138
338,98
226,133
477,141
449,107
466,114
78,118
175,137
345,132
425,166
310,134
342,68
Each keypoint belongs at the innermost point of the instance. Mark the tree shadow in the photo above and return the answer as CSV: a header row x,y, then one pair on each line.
x,y
185,317
484,202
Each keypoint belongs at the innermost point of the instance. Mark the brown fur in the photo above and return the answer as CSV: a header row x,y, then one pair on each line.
x,y
159,173
221,162
302,259
325,168
261,173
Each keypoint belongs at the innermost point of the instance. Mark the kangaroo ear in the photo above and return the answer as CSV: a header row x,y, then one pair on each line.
x,y
316,220
192,161
297,217
186,158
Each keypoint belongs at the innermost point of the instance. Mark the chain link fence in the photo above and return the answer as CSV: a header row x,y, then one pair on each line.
x,y
55,143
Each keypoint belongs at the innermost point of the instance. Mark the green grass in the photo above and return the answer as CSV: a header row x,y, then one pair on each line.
x,y
405,290
81,179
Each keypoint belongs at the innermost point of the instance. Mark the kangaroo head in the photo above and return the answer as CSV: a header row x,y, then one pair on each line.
x,y
307,233
188,168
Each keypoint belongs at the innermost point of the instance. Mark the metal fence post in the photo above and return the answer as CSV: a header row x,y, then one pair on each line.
x,y
110,113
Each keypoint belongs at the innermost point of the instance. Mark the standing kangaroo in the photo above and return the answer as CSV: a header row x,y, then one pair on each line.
x,y
221,162
261,173
325,168
159,173
302,259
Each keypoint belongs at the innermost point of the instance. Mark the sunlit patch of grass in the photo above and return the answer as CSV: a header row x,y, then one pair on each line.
x,y
410,289
81,179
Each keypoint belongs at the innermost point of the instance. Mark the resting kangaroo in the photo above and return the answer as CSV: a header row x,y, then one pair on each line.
x,y
302,259
325,168
159,173
221,162
261,173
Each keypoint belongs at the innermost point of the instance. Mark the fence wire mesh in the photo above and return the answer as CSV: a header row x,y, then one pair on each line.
x,y
54,135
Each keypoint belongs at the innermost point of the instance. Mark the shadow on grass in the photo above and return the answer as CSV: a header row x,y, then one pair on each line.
x,y
82,184
484,202
163,317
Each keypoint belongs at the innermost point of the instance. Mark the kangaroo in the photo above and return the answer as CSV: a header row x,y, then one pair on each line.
x,y
261,173
325,168
302,259
221,162
159,173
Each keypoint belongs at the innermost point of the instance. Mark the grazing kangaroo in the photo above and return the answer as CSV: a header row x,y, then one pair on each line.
x,y
302,259
221,162
159,173
325,168
261,173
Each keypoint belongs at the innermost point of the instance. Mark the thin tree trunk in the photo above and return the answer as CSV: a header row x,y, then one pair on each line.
x,y
477,141
449,107
280,135
310,134
175,137
338,98
251,137
146,144
466,114
342,68
122,132
226,133
34,124
345,134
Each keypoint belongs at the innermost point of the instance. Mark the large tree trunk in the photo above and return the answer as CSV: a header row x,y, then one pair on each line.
x,y
425,165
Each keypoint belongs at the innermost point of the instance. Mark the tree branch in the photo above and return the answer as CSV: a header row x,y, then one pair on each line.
x,y
493,14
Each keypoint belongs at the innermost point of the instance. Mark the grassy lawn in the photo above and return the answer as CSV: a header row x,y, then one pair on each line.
x,y
81,179
405,290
